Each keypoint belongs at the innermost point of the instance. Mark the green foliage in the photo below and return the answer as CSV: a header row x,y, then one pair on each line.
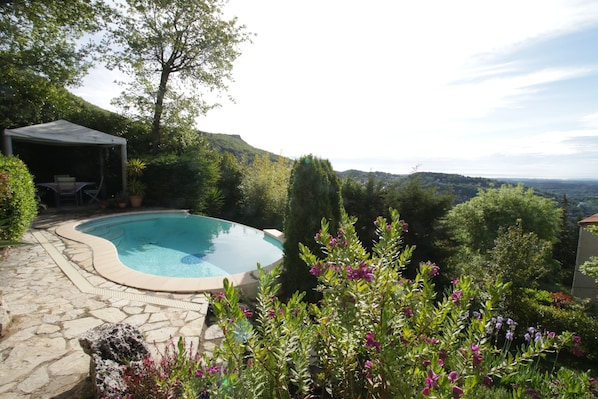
x,y
476,223
18,205
375,334
422,208
43,37
42,51
135,169
171,50
229,187
314,193
518,257
365,202
264,189
573,317
182,181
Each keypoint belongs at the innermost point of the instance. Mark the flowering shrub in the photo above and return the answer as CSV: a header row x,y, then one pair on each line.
x,y
376,334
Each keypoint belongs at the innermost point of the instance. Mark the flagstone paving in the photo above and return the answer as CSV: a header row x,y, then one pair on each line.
x,y
53,296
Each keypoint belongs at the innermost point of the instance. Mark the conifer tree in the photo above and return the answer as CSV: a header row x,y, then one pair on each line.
x,y
314,193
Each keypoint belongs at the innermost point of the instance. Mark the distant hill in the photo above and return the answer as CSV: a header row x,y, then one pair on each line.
x,y
235,145
582,195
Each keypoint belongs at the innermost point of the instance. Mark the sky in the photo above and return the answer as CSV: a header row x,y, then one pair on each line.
x,y
487,88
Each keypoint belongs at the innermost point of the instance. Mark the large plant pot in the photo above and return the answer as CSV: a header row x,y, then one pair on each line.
x,y
135,200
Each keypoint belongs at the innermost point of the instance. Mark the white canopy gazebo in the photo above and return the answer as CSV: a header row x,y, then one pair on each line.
x,y
65,133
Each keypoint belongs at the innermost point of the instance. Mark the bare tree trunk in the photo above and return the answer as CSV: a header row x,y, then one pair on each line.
x,y
158,109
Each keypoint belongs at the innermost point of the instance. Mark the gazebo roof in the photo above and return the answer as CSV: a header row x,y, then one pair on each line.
x,y
62,132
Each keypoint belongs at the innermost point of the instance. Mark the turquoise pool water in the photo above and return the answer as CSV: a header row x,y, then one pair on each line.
x,y
183,245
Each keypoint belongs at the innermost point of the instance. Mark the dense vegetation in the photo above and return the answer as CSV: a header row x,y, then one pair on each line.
x,y
387,323
18,206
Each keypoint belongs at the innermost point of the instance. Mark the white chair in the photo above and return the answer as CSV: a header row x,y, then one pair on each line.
x,y
93,193
65,188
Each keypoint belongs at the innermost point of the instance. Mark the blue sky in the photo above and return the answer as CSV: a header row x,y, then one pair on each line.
x,y
479,88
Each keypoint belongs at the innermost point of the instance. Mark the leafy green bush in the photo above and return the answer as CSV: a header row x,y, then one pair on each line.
x,y
181,181
574,317
374,334
18,205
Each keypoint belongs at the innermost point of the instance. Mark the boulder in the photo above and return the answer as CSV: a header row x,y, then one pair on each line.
x,y
111,348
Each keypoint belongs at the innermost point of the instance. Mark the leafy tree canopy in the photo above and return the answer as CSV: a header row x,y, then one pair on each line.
x,y
171,50
477,223
42,50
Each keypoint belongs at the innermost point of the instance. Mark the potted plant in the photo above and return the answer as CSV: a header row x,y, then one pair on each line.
x,y
121,199
136,187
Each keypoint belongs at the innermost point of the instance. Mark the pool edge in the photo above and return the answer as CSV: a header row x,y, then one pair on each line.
x,y
107,264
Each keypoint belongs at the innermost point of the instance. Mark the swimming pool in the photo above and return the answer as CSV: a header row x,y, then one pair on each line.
x,y
174,250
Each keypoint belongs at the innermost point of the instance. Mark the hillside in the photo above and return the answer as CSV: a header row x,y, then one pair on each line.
x,y
582,195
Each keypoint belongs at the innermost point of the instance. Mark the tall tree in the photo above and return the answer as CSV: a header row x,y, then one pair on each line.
x,y
172,49
477,224
314,194
42,50
422,208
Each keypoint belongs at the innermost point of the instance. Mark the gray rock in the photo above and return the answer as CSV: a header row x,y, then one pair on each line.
x,y
121,343
112,347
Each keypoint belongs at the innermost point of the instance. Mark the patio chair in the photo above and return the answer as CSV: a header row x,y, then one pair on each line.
x,y
93,193
66,188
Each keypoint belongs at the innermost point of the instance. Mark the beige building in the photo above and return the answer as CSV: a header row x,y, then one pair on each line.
x,y
584,286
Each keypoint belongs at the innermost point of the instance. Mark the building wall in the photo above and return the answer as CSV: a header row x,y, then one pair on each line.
x,y
584,286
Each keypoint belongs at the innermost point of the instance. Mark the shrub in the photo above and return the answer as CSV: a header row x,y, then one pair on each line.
x,y
181,181
18,205
572,317
374,334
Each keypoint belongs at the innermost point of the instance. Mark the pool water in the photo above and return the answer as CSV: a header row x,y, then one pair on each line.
x,y
183,245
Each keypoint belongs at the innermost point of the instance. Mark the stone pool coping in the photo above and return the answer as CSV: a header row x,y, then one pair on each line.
x,y
107,264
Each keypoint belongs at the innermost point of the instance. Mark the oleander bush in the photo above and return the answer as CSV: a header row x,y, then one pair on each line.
x,y
374,334
18,205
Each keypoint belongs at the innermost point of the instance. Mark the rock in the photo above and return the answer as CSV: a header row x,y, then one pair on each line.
x,y
112,347
4,318
118,342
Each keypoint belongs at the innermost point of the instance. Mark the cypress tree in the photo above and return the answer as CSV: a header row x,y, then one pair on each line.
x,y
314,193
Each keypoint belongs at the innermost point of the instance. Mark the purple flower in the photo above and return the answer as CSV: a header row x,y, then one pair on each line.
x,y
457,391
198,373
452,376
370,342
426,391
247,312
456,295
509,335
527,337
317,269
363,271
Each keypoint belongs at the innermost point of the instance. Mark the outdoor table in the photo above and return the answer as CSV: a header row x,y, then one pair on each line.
x,y
79,185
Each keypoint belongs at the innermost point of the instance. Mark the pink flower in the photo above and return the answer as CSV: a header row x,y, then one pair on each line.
x,y
426,391
198,373
452,376
247,312
456,295
370,342
457,391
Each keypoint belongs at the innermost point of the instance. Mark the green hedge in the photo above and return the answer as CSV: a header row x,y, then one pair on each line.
x,y
18,205
181,181
535,312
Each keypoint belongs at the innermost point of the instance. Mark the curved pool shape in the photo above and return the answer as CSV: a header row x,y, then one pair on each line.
x,y
175,251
